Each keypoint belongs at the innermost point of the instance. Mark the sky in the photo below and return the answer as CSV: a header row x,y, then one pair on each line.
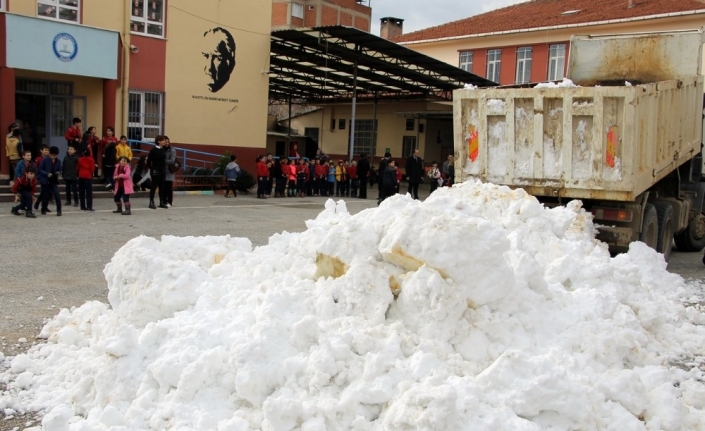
x,y
417,14
475,310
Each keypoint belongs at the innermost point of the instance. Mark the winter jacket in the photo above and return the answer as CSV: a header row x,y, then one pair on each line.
x,y
12,150
73,136
123,150
262,170
23,184
22,167
110,155
232,171
156,160
170,160
86,164
69,168
49,166
123,178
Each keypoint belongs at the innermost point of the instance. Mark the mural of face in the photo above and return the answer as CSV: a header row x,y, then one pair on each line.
x,y
219,57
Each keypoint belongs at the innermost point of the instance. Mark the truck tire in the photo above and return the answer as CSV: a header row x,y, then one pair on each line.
x,y
664,245
649,227
692,238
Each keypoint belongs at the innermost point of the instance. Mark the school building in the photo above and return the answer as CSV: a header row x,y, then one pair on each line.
x,y
195,70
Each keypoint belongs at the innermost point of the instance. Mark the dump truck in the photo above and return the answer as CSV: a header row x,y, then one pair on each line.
x,y
623,135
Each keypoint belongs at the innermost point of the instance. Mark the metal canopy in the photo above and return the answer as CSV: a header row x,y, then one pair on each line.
x,y
326,64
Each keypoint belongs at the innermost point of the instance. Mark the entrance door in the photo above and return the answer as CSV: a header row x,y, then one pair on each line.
x,y
62,110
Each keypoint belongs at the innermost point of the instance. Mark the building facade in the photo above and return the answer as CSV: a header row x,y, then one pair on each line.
x,y
318,13
193,70
530,42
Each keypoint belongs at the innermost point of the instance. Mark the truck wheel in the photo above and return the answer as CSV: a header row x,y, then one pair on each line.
x,y
649,228
692,238
664,245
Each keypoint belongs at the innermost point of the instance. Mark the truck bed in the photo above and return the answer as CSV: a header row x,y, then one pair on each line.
x,y
592,142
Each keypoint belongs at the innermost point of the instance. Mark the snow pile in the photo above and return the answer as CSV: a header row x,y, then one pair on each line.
x,y
566,83
477,309
470,87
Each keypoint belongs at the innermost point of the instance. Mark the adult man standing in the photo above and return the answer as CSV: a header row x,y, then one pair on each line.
x,y
414,173
156,162
363,170
382,166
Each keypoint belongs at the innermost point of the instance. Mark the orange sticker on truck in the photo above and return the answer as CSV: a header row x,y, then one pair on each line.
x,y
611,146
473,143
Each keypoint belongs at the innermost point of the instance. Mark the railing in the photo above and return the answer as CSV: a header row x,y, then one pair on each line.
x,y
189,158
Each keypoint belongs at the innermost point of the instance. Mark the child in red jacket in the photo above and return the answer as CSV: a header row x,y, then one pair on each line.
x,y
85,167
262,178
24,189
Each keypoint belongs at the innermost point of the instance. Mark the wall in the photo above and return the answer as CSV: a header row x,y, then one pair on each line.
x,y
236,114
390,132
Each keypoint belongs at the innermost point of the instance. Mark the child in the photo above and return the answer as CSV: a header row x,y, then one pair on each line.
x,y
49,171
140,178
43,152
354,182
232,171
13,150
292,178
24,189
435,175
86,164
122,149
262,177
123,186
301,177
331,178
69,172
24,163
108,149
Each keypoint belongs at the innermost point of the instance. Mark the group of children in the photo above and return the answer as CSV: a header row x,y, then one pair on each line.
x,y
77,174
285,177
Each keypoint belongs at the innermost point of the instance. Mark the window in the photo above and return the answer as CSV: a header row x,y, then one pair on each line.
x,y
145,115
494,57
297,10
408,145
465,61
410,123
65,10
147,17
523,65
341,124
365,137
556,62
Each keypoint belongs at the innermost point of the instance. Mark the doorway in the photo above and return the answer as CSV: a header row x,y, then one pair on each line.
x,y
48,108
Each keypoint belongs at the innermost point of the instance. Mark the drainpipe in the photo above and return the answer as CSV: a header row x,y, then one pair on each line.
x,y
125,67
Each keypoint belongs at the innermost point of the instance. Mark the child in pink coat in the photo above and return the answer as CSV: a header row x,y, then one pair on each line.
x,y
123,186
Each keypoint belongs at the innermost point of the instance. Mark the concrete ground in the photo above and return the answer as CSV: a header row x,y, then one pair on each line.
x,y
61,259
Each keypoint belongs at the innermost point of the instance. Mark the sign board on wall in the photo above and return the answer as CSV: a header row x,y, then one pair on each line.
x,y
58,47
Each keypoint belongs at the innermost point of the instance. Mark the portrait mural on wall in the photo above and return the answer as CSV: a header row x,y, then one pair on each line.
x,y
219,57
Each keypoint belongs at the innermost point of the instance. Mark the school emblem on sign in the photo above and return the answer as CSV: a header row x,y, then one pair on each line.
x,y
65,47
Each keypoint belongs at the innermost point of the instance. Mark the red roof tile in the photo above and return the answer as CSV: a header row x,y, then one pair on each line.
x,y
544,13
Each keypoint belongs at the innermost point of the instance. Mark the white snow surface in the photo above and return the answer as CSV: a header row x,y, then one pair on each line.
x,y
566,83
477,309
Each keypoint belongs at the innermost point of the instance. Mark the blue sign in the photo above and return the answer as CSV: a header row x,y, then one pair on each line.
x,y
65,47
53,46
